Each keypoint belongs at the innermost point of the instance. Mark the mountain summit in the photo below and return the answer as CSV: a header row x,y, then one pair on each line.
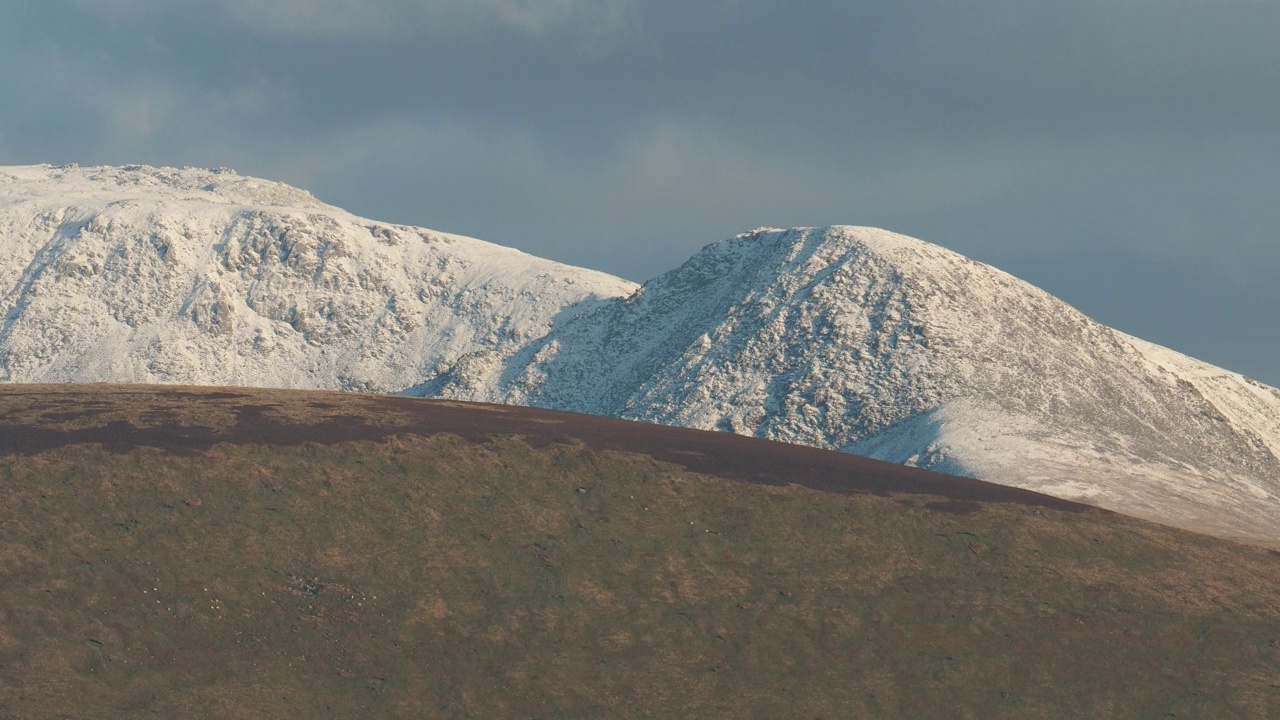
x,y
879,344
141,274
849,338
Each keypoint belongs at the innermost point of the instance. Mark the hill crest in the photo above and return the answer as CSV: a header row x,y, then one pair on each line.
x,y
290,554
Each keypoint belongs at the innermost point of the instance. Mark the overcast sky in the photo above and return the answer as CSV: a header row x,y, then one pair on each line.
x,y
1121,154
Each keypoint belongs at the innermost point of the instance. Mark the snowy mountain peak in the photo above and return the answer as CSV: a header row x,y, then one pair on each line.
x,y
139,183
849,338
871,342
142,274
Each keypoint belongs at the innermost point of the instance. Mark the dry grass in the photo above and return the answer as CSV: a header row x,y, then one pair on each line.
x,y
269,554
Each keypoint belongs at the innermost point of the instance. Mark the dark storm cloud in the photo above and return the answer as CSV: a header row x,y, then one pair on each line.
x,y
1120,154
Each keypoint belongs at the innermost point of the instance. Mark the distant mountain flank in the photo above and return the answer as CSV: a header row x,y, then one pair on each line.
x,y
849,338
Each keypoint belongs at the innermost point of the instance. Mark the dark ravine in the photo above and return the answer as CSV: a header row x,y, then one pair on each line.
x,y
187,552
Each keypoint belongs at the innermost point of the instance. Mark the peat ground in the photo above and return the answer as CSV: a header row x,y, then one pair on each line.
x,y
184,552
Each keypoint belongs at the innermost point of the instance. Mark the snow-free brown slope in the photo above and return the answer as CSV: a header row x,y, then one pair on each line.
x,y
184,552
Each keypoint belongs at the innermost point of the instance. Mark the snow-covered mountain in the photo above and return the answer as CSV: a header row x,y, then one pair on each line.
x,y
141,274
878,344
848,338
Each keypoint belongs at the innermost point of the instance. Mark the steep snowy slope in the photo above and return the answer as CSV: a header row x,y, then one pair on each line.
x,y
143,274
878,344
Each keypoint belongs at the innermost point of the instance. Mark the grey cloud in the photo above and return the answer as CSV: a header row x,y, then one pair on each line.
x,y
624,135
353,22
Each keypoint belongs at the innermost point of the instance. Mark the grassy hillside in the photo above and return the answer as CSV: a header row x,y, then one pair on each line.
x,y
267,554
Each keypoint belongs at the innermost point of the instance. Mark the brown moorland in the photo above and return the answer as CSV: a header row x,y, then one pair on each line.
x,y
186,552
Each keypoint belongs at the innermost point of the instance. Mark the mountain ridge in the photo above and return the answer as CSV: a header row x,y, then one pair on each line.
x,y
878,344
205,277
841,337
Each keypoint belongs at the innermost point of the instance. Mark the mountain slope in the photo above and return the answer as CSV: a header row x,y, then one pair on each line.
x,y
142,274
844,338
193,552
879,344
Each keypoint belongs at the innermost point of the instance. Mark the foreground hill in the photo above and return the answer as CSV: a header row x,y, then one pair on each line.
x,y
181,552
853,339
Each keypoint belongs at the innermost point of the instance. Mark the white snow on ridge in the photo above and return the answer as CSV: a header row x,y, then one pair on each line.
x,y
849,338
1246,404
143,274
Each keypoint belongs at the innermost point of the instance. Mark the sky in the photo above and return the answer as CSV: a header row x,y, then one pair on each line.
x,y
1121,154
